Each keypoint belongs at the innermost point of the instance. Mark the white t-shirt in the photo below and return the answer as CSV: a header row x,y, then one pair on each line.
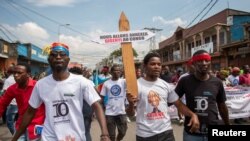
x,y
63,106
234,80
102,76
7,83
115,90
152,108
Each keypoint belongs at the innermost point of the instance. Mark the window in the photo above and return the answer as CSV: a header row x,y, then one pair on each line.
x,y
198,43
5,48
189,45
248,32
178,35
165,56
192,44
214,40
222,38
171,55
207,40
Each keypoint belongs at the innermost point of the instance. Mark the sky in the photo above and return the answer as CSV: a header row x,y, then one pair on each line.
x,y
77,22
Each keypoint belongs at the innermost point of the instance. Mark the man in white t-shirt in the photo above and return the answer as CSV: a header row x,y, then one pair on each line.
x,y
63,94
234,78
11,112
115,90
154,94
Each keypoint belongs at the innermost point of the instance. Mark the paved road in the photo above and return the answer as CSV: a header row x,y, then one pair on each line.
x,y
95,132
130,135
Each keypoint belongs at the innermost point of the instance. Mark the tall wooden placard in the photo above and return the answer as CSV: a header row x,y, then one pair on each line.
x,y
128,58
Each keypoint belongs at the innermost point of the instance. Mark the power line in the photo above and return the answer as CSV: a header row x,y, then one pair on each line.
x,y
152,45
1,26
28,17
6,34
184,9
199,13
49,19
208,11
15,7
11,13
192,28
9,32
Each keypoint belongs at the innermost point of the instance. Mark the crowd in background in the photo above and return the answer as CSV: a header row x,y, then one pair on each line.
x,y
230,77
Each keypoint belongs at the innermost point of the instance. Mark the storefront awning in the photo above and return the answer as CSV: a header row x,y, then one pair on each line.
x,y
3,56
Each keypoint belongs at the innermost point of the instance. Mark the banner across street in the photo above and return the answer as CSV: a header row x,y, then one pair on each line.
x,y
124,37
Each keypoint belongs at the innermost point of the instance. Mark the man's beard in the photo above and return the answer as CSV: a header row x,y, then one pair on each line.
x,y
59,68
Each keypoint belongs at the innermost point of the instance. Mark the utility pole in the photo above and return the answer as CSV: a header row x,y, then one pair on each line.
x,y
59,27
152,44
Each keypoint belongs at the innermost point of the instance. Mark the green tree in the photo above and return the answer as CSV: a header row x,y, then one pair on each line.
x,y
118,52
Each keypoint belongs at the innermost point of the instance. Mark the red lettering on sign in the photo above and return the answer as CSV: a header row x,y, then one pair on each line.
x,y
113,40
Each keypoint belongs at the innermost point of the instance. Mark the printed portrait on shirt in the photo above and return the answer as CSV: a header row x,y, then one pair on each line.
x,y
154,100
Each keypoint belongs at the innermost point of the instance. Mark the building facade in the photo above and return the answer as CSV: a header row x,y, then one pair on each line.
x,y
13,53
8,55
32,54
224,35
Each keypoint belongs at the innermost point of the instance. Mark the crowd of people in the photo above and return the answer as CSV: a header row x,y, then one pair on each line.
x,y
69,98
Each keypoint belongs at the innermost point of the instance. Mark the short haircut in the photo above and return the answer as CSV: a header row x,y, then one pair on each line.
x,y
75,70
27,66
149,56
113,67
11,70
199,52
245,66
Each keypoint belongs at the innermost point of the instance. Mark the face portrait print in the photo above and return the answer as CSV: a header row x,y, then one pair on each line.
x,y
154,99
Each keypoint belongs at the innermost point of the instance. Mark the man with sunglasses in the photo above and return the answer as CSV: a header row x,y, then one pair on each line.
x,y
205,96
63,94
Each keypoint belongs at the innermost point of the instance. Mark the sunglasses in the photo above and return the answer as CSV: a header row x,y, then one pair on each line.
x,y
55,54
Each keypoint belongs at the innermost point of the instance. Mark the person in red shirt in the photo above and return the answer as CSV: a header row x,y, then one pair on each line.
x,y
21,91
244,79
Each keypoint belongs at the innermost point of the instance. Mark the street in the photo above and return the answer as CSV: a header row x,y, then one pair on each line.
x,y
95,132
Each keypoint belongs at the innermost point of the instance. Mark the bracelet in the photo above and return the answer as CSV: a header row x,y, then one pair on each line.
x,y
104,135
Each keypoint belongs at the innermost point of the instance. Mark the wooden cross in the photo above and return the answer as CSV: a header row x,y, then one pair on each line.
x,y
128,58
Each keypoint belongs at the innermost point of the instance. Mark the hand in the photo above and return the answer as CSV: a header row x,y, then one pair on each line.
x,y
105,138
194,123
69,138
132,99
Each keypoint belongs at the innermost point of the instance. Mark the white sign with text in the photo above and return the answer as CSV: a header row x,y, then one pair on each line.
x,y
207,47
124,37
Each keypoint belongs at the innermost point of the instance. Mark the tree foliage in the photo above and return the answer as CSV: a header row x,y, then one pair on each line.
x,y
118,52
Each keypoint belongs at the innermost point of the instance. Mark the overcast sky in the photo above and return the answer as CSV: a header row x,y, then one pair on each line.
x,y
40,21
